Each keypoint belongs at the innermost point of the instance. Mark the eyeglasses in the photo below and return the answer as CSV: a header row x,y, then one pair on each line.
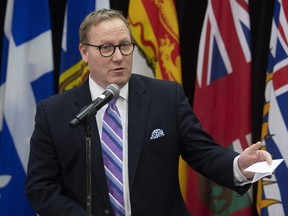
x,y
107,50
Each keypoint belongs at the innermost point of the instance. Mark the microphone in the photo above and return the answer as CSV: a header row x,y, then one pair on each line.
x,y
88,112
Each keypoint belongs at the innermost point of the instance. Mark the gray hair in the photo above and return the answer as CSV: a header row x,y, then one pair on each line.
x,y
97,17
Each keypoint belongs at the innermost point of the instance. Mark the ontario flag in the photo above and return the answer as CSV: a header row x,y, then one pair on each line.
x,y
154,27
222,100
73,70
272,193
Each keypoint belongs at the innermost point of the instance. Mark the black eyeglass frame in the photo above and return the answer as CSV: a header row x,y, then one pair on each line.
x,y
114,46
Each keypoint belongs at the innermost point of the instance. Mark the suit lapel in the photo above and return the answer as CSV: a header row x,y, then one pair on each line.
x,y
138,105
83,98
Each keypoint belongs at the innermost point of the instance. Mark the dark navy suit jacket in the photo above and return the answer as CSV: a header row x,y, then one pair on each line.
x,y
56,178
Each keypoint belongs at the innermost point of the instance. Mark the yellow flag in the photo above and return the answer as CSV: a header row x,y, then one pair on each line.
x,y
154,27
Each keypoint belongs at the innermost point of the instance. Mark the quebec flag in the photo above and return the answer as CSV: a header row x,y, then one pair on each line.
x,y
26,76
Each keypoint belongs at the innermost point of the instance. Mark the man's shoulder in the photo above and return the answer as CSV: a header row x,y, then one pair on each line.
x,y
137,78
155,88
63,97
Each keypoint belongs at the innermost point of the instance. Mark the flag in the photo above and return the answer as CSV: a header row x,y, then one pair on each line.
x,y
154,27
73,70
140,64
26,78
222,100
272,193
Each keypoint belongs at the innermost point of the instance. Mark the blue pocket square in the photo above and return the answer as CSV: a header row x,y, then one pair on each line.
x,y
157,133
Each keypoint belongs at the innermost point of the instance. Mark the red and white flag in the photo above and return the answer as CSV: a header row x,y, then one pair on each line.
x,y
222,100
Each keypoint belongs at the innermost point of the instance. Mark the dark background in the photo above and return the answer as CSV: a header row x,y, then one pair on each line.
x,y
190,16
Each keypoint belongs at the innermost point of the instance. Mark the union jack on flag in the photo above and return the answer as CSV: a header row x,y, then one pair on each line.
x,y
215,41
272,197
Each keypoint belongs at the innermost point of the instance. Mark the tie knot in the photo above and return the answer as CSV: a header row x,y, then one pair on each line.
x,y
112,103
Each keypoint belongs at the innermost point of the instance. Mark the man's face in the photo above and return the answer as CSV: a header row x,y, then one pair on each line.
x,y
115,69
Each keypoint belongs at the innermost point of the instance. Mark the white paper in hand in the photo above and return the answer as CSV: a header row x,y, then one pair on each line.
x,y
262,169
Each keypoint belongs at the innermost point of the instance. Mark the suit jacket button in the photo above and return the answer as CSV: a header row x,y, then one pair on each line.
x,y
107,212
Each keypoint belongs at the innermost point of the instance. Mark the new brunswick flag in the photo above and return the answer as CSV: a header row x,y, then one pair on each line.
x,y
272,194
154,27
222,100
73,70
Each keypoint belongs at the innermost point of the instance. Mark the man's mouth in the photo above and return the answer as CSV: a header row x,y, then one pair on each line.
x,y
120,69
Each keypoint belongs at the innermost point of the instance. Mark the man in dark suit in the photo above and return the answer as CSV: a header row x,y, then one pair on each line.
x,y
158,126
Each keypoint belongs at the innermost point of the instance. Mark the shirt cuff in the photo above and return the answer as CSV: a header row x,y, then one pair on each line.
x,y
239,178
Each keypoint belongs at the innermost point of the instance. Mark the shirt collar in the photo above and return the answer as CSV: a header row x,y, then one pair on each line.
x,y
97,90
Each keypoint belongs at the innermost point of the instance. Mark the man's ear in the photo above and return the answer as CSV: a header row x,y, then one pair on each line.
x,y
84,52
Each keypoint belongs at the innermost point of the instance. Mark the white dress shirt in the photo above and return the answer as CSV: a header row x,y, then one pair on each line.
x,y
122,105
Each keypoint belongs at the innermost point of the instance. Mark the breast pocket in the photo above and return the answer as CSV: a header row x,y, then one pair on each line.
x,y
162,146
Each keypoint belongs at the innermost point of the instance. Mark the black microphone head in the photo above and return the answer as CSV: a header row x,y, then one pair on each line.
x,y
114,89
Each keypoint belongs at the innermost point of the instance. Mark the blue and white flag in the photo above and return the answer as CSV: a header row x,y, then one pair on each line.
x,y
272,197
26,76
73,70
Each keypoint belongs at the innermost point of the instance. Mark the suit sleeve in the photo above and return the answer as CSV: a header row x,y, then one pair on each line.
x,y
44,188
199,149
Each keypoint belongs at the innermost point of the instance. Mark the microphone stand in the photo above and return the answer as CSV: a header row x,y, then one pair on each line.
x,y
88,135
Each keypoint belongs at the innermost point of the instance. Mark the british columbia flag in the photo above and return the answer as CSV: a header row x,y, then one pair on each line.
x,y
272,195
222,99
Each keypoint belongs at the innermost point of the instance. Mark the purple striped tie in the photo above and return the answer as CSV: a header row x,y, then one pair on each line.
x,y
112,144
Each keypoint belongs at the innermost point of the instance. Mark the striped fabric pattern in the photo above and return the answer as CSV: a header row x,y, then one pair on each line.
x,y
112,144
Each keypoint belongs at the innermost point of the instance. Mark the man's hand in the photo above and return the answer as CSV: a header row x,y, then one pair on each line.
x,y
250,156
